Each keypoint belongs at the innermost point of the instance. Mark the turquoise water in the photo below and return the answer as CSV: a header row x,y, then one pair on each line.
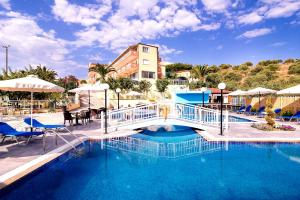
x,y
190,168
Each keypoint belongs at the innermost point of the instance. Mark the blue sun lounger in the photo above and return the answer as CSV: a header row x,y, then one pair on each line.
x,y
260,112
8,131
240,109
49,128
248,110
277,112
296,116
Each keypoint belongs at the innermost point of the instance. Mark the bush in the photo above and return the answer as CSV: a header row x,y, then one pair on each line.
x,y
256,70
195,85
273,67
294,69
290,60
213,80
232,76
268,62
248,64
213,69
287,113
225,66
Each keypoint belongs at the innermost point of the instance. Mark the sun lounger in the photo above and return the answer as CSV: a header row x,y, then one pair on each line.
x,y
248,110
277,112
241,109
50,128
8,131
261,112
296,116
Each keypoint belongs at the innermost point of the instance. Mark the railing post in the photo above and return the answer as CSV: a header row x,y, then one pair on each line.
x,y
226,120
157,110
102,121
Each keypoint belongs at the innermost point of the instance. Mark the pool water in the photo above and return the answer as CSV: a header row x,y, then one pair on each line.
x,y
120,169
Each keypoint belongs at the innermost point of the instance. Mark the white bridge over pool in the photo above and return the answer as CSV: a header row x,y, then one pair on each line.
x,y
165,114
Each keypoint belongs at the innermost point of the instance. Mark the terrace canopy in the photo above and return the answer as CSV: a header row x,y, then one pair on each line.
x,y
290,91
30,83
260,91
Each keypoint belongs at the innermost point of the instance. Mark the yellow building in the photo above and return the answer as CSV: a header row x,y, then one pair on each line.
x,y
138,62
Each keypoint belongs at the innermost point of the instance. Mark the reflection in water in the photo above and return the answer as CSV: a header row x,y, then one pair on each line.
x,y
186,148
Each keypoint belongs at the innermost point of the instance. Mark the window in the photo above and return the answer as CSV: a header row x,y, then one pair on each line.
x,y
146,74
145,62
145,49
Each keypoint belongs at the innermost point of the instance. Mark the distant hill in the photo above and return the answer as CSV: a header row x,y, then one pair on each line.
x,y
274,74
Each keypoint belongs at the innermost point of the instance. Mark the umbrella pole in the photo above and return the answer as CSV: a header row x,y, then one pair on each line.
x,y
31,110
89,100
258,100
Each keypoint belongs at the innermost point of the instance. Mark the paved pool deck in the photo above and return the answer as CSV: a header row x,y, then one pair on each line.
x,y
18,160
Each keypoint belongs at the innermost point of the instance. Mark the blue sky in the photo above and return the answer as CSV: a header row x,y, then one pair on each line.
x,y
67,35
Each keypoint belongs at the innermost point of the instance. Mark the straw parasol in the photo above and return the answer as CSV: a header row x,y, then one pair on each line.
x,y
30,83
260,91
88,88
290,91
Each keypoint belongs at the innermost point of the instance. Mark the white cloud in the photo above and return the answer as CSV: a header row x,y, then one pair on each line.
x,y
216,5
283,9
85,15
5,4
250,18
125,27
278,44
256,33
29,44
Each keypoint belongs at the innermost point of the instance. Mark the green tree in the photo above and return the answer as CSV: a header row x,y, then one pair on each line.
x,y
232,76
125,83
144,86
213,79
161,85
113,83
103,70
200,72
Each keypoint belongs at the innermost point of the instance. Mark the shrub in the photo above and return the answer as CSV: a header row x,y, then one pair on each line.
x,y
249,64
256,70
287,113
268,62
232,76
273,67
290,60
294,69
213,69
270,113
244,67
225,66
213,79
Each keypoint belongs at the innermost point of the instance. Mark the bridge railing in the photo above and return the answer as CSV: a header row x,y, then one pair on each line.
x,y
165,150
191,113
128,116
201,115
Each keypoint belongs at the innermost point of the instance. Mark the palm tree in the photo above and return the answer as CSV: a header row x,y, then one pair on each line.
x,y
200,72
103,70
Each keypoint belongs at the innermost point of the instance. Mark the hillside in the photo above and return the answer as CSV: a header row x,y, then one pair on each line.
x,y
274,74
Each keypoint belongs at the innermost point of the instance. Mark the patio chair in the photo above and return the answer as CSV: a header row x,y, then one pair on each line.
x,y
8,131
296,116
241,109
68,117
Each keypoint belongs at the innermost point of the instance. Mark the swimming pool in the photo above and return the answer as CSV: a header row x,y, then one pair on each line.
x,y
141,168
